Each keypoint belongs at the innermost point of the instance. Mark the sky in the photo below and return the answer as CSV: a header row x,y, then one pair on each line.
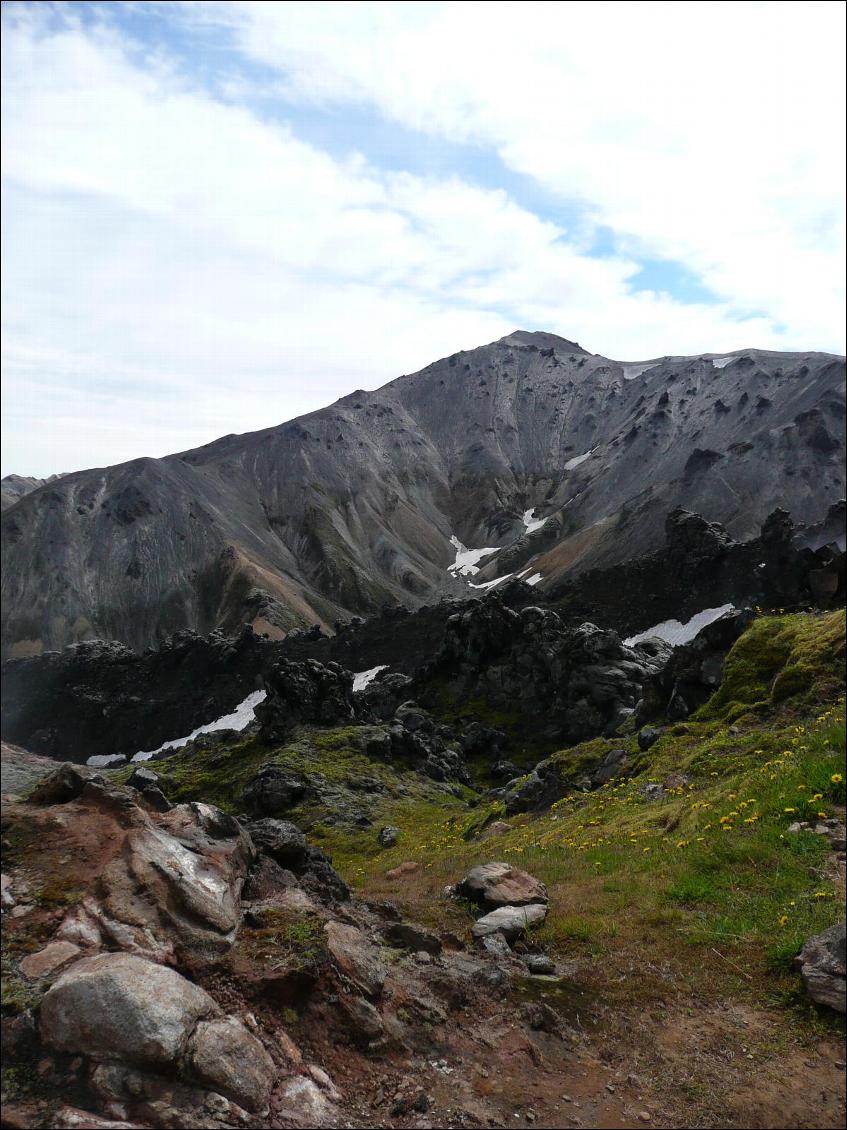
x,y
218,216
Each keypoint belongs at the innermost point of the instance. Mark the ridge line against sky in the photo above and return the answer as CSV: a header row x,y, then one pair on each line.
x,y
220,216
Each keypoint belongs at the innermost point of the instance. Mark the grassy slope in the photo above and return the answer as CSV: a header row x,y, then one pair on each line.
x,y
705,880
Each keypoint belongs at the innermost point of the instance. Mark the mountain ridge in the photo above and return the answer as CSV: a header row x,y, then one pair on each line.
x,y
351,507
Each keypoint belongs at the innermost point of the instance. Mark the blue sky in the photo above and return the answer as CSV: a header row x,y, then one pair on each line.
x,y
221,215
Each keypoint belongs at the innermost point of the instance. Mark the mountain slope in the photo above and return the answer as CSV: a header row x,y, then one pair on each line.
x,y
351,507
14,487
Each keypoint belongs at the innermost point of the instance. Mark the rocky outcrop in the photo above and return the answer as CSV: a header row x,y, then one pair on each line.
x,y
575,683
823,966
164,984
381,697
304,692
693,672
692,541
700,566
171,881
99,698
415,738
285,844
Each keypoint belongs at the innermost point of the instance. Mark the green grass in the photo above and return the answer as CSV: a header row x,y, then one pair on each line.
x,y
334,763
707,877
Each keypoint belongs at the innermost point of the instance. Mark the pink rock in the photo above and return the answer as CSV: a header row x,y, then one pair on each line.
x,y
47,961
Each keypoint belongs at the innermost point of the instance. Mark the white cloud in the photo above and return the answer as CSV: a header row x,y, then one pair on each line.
x,y
710,133
176,267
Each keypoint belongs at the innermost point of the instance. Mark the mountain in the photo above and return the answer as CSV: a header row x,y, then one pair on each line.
x,y
353,507
14,487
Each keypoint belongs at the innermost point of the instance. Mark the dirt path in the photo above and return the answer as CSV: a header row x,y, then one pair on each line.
x,y
717,1065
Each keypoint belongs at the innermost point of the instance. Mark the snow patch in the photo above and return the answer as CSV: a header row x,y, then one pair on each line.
x,y
633,369
532,523
362,678
489,584
675,633
239,719
534,579
577,459
722,362
465,564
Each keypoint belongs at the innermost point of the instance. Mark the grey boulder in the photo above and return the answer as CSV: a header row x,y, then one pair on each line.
x,y
231,1060
121,1006
510,921
823,966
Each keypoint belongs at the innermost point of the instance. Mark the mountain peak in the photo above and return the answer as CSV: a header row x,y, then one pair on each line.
x,y
542,340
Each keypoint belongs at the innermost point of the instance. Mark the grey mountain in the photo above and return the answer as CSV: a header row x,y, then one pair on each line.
x,y
353,507
14,487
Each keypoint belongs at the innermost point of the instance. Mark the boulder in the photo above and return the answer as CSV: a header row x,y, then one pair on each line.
x,y
648,736
120,1006
479,740
287,846
388,836
273,790
613,765
223,1054
281,840
49,960
301,1102
143,778
409,867
505,771
62,785
413,718
494,829
823,966
364,1022
356,957
492,885
510,921
539,964
73,1118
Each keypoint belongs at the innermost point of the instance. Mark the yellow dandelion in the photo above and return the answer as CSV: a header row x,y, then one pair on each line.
x,y
836,778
